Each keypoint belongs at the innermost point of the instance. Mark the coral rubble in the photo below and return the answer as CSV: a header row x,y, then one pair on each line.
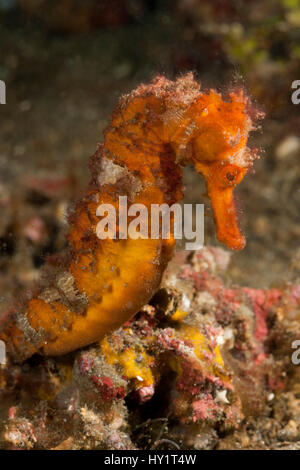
x,y
201,366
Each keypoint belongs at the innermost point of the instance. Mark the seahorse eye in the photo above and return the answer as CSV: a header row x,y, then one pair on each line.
x,y
230,176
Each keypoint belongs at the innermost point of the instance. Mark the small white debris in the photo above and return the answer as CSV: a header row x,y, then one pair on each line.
x,y
221,396
288,146
186,303
110,172
228,333
220,339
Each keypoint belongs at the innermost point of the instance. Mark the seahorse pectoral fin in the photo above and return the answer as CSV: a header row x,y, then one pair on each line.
x,y
228,231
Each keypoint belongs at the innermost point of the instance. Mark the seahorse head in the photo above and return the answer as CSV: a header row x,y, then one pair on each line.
x,y
220,154
211,133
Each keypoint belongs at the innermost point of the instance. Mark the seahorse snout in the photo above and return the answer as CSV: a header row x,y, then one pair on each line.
x,y
228,231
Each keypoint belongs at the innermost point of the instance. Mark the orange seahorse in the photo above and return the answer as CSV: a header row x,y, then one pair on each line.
x,y
154,131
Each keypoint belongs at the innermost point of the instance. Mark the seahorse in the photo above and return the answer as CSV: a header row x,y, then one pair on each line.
x,y
100,284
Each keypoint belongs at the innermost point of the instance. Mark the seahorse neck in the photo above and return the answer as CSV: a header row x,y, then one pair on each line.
x,y
140,148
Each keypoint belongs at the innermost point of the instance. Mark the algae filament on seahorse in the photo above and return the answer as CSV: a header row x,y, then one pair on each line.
x,y
99,284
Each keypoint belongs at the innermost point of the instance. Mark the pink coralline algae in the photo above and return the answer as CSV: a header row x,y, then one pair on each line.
x,y
106,388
